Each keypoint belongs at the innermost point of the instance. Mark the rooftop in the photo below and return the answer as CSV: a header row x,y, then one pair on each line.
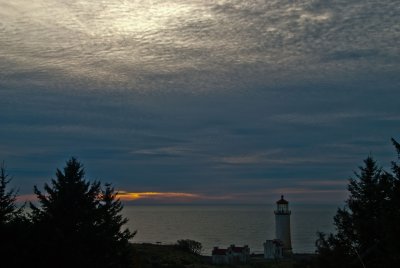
x,y
282,201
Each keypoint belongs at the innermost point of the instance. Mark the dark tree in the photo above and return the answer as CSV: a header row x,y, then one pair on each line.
x,y
13,225
115,248
189,245
392,212
8,209
368,226
78,224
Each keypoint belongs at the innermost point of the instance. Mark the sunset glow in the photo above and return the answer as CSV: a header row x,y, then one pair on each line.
x,y
129,196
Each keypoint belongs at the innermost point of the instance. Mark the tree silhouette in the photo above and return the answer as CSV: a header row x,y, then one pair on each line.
x,y
8,209
13,225
78,224
189,245
115,248
368,226
392,213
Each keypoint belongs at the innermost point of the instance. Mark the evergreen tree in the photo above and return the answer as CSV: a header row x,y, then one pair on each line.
x,y
392,213
115,247
368,226
78,224
13,225
8,209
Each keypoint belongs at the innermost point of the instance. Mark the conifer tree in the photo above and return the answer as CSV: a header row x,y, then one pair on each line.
x,y
8,208
116,248
368,226
392,210
78,224
13,225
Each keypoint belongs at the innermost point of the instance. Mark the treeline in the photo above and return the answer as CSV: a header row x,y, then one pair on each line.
x,y
76,223
368,226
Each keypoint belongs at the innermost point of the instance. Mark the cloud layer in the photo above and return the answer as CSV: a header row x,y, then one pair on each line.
x,y
243,99
194,45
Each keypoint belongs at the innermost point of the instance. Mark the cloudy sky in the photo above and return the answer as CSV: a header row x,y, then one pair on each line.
x,y
200,100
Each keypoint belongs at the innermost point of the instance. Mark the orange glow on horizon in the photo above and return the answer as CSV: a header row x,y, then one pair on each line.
x,y
26,198
130,196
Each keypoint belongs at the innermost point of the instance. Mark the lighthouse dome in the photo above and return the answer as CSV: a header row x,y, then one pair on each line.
x,y
282,201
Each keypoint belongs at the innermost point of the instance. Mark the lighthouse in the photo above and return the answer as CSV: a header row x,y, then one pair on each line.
x,y
282,224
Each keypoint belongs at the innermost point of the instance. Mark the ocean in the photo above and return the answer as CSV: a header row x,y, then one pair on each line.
x,y
228,224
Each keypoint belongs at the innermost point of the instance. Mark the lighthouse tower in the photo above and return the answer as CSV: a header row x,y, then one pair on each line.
x,y
282,224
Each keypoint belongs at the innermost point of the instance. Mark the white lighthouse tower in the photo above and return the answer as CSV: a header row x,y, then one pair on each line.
x,y
282,224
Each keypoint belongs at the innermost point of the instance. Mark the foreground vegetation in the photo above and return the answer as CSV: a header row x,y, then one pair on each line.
x,y
77,223
368,227
151,255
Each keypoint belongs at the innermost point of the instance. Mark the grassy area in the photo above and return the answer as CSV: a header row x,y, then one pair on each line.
x,y
151,255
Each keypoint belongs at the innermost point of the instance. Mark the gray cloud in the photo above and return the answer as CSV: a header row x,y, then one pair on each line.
x,y
192,45
202,96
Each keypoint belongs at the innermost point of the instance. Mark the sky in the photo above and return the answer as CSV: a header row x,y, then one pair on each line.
x,y
200,101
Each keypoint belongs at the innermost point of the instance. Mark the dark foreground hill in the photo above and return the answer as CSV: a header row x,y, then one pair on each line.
x,y
152,255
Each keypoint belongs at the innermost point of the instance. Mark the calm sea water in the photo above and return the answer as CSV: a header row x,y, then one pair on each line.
x,y
224,225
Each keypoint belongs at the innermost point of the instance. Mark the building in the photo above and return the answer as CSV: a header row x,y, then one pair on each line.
x,y
239,254
282,225
282,244
231,255
273,249
219,256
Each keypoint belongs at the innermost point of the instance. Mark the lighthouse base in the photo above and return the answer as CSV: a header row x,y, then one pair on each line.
x,y
287,252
